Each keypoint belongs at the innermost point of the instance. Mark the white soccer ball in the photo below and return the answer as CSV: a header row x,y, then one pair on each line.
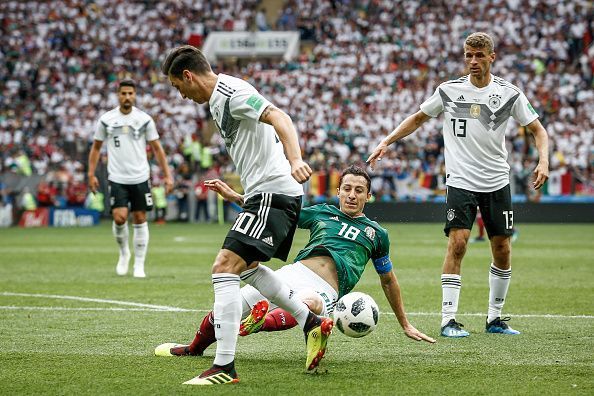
x,y
356,314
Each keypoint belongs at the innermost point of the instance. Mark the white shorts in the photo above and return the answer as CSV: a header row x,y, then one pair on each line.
x,y
299,278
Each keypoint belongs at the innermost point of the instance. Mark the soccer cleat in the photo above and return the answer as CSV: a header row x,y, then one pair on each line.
x,y
139,271
498,326
254,321
453,329
172,349
216,375
316,338
122,267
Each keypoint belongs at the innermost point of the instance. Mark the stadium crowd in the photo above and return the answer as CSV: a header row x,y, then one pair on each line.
x,y
363,66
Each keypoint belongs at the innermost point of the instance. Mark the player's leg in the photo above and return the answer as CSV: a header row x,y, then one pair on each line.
x,y
119,210
141,201
460,213
498,216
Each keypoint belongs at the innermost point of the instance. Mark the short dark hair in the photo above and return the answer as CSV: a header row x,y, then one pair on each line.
x,y
185,57
357,171
127,82
480,40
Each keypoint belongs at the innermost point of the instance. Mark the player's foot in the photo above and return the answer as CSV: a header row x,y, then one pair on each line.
x,y
139,271
173,349
254,321
317,330
216,375
477,239
122,267
453,329
498,326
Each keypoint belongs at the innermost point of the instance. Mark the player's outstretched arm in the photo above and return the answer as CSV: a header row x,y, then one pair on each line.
x,y
406,127
392,291
162,160
288,136
93,159
224,190
541,139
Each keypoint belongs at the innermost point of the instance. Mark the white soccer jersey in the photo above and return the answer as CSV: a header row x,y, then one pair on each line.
x,y
255,148
126,136
474,130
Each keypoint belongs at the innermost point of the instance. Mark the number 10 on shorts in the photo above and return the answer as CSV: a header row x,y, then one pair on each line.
x,y
509,219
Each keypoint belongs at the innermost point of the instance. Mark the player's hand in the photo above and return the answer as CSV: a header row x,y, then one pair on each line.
x,y
412,332
300,171
168,184
541,175
224,190
93,183
377,154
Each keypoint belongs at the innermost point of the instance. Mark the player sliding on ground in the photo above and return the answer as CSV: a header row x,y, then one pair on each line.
x,y
341,243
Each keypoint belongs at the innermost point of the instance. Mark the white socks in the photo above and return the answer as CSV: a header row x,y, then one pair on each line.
x,y
141,240
450,287
498,284
267,282
120,232
227,316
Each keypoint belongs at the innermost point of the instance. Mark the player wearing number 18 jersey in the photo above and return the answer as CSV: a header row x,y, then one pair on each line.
x,y
476,110
127,130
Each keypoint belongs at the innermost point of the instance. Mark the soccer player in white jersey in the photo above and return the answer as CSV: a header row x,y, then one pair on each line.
x,y
263,144
477,108
127,129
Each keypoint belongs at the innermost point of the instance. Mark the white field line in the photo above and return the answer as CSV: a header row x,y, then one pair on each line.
x,y
165,308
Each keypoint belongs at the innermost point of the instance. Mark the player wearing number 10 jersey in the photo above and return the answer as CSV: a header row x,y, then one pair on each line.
x,y
476,109
126,130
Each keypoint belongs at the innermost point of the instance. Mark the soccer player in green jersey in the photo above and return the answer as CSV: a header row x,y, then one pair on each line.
x,y
342,241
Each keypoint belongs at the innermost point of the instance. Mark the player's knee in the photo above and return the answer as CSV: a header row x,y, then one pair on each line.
x,y
312,300
228,262
457,246
119,218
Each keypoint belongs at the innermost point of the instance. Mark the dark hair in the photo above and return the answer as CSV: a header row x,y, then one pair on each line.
x,y
357,171
185,57
127,82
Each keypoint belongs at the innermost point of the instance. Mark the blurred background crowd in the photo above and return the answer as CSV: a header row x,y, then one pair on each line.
x,y
363,66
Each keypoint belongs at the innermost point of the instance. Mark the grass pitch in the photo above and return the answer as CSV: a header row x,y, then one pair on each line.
x,y
70,325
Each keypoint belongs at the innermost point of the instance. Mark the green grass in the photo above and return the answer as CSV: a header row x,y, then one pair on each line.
x,y
50,346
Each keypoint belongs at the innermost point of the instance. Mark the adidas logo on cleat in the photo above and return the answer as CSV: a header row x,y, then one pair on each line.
x,y
268,241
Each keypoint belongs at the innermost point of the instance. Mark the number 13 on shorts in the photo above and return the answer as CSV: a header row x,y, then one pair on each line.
x,y
509,219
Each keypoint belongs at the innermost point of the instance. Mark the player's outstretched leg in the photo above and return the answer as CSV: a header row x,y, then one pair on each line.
x,y
317,330
499,326
216,375
254,321
204,337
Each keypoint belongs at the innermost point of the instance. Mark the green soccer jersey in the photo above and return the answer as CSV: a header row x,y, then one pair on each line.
x,y
351,241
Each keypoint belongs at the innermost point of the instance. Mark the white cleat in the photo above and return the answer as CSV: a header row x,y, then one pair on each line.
x,y
139,272
122,267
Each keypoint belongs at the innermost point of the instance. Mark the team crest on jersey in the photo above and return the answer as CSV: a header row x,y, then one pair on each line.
x,y
451,214
494,101
475,110
370,232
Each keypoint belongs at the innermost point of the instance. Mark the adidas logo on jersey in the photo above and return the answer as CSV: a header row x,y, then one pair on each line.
x,y
268,241
334,218
461,98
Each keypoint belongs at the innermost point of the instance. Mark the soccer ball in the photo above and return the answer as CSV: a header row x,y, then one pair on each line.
x,y
356,314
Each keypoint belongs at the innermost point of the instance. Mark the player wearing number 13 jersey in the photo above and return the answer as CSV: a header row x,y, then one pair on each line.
x,y
126,131
476,110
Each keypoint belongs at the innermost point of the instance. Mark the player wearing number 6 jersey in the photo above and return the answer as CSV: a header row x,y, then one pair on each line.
x,y
476,110
126,130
